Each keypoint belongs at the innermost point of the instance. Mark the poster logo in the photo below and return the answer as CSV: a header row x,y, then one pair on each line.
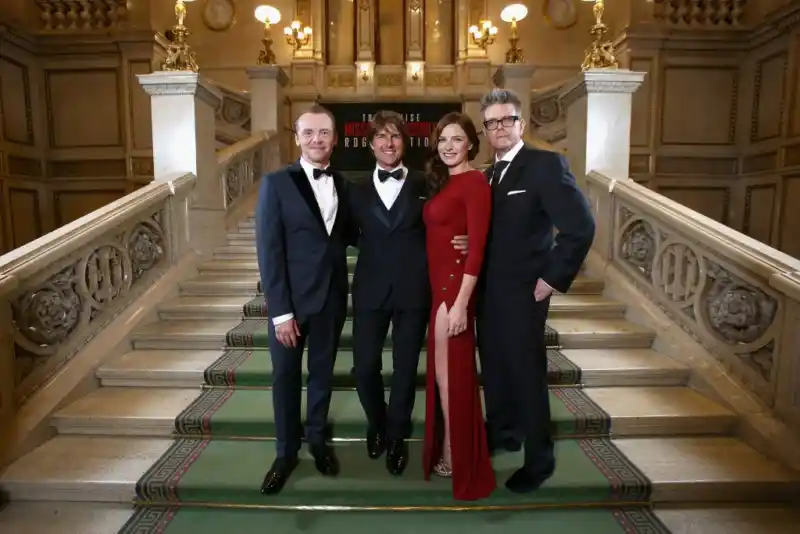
x,y
353,153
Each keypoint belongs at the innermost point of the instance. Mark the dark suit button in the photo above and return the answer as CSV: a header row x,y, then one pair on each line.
x,y
444,289
458,260
452,276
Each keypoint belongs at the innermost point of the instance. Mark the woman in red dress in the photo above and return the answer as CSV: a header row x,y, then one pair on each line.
x,y
459,202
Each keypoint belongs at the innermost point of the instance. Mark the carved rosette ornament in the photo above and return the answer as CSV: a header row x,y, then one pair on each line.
x,y
58,310
731,313
242,173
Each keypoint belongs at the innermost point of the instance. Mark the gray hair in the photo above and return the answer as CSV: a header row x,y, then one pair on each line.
x,y
501,96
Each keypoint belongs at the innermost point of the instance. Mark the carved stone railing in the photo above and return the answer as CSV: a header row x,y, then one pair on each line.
x,y
737,297
61,290
82,15
232,116
548,117
700,13
241,165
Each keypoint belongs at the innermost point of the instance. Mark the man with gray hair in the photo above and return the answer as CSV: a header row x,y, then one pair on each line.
x,y
532,192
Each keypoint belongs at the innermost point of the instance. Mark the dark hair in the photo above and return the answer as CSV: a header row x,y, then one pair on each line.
x,y
384,118
315,109
436,172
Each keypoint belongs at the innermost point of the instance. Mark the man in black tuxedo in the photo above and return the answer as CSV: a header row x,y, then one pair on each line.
x,y
302,228
390,285
532,191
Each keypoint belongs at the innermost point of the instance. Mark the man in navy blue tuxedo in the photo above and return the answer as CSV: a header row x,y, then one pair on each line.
x,y
302,231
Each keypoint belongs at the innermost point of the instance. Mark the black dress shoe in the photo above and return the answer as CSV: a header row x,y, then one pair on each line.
x,y
325,460
396,456
278,475
527,480
376,443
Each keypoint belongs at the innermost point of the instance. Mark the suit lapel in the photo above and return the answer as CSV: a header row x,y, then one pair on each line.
x,y
513,174
376,204
301,182
401,204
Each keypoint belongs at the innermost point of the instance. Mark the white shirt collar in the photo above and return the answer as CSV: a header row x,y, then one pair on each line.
x,y
513,152
309,168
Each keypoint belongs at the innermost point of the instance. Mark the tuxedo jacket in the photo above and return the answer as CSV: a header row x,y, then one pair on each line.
x,y
298,261
537,192
392,267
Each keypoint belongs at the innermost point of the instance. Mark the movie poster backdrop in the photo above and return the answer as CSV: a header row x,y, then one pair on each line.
x,y
353,155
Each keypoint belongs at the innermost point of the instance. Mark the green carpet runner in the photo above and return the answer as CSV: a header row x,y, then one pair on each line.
x,y
173,520
209,478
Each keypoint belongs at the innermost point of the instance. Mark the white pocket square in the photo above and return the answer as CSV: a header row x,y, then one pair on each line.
x,y
422,198
517,192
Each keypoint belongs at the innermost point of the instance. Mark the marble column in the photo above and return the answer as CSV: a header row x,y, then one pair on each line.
x,y
518,77
598,106
267,84
183,107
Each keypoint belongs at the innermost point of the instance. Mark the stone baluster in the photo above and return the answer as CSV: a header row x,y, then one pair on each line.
x,y
183,108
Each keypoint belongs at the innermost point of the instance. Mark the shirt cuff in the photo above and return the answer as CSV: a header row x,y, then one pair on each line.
x,y
282,319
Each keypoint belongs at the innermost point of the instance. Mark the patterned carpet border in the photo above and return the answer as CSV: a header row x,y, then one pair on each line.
x,y
223,371
639,521
243,334
195,419
550,337
255,308
160,481
561,371
590,419
146,520
627,482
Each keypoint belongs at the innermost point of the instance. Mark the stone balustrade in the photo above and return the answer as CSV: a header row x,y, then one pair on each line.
x,y
83,15
59,291
240,165
700,13
738,298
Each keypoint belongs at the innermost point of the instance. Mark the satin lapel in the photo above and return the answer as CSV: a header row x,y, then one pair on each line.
x,y
402,202
513,174
301,182
376,203
341,215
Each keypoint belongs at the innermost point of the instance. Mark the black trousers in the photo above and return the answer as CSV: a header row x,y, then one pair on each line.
x,y
320,333
408,337
513,358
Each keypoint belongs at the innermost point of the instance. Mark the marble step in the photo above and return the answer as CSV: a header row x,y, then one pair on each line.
x,y
634,411
184,368
248,253
60,517
574,333
207,307
244,282
681,469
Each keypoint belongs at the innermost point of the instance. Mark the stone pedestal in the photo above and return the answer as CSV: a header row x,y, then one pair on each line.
x,y
598,106
266,97
183,108
518,77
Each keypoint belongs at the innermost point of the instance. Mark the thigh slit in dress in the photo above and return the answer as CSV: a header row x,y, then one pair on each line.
x,y
462,206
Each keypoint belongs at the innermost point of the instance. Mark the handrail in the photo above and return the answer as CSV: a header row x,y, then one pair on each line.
x,y
24,261
227,154
781,270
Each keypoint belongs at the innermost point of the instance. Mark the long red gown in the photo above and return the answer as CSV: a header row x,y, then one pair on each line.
x,y
462,206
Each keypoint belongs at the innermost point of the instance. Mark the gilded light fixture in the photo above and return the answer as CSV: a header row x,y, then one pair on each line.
x,y
179,56
512,14
267,15
296,35
483,34
601,53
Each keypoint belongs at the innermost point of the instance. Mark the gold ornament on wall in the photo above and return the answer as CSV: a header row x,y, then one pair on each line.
x,y
561,14
268,16
512,14
219,15
297,36
483,33
601,54
179,56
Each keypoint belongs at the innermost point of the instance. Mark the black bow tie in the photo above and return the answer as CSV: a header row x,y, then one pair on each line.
x,y
318,173
496,170
397,174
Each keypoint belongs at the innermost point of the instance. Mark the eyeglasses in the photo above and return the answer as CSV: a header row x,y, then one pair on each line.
x,y
507,122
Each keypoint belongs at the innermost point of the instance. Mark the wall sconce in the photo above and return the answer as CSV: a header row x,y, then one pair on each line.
x,y
296,35
179,56
268,16
416,71
364,68
512,14
601,53
483,36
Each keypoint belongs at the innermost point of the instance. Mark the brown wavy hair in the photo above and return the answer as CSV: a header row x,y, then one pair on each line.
x,y
436,172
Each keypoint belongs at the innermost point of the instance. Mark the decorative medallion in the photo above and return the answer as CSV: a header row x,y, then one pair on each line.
x,y
219,15
561,14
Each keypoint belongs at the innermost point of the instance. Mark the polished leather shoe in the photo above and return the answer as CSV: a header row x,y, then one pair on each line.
x,y
376,444
396,456
278,475
325,460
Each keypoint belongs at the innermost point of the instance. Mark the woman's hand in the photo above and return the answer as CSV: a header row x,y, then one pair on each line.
x,y
457,320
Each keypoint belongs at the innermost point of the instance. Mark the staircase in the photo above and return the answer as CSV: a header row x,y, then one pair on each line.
x,y
184,417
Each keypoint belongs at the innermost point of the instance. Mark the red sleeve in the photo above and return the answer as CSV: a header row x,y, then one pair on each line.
x,y
478,199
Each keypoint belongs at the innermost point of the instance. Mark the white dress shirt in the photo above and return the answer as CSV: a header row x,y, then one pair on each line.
x,y
390,189
509,157
328,202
